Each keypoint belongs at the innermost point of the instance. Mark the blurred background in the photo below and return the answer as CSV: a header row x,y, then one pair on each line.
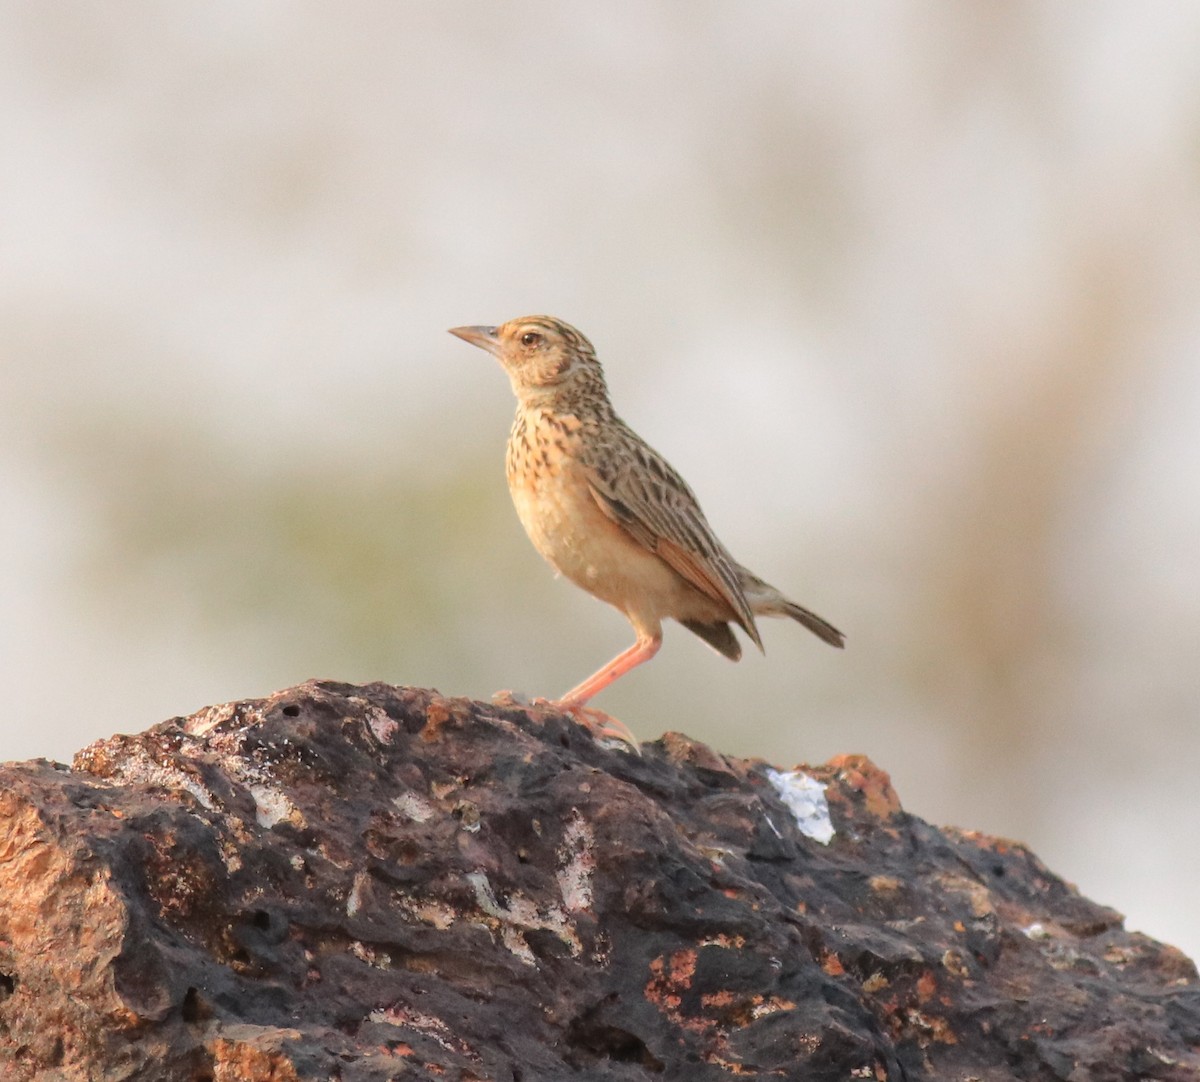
x,y
910,293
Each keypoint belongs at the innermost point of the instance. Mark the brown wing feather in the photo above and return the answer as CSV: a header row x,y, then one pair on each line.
x,y
653,503
695,568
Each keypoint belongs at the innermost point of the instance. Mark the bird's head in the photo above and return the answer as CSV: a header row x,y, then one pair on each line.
x,y
544,357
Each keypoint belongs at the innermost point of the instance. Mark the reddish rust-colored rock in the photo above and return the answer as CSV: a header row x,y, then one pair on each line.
x,y
370,883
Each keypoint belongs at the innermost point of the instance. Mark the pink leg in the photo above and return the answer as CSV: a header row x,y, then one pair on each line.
x,y
642,650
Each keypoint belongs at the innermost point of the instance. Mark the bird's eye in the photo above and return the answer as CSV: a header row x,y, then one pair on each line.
x,y
531,338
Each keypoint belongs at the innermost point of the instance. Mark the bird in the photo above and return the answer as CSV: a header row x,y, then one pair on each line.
x,y
609,513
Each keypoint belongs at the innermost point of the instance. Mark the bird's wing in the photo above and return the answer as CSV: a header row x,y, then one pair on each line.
x,y
639,491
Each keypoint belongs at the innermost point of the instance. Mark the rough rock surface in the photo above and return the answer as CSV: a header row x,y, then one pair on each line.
x,y
369,883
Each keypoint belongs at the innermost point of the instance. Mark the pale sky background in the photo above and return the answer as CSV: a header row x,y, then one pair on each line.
x,y
909,292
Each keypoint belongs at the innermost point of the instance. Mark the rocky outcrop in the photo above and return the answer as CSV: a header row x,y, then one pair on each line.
x,y
369,883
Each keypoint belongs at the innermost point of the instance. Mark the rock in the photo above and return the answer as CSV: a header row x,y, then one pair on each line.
x,y
370,883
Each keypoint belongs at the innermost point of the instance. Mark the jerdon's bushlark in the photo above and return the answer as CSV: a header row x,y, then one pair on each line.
x,y
610,513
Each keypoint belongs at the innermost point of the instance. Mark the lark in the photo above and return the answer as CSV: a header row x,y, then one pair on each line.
x,y
609,512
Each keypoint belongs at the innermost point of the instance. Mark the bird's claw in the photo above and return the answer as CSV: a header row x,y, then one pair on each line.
x,y
601,725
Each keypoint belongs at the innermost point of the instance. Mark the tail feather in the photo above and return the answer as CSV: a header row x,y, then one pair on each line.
x,y
719,636
765,600
823,629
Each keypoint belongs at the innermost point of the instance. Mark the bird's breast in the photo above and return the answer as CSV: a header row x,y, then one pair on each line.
x,y
554,502
548,490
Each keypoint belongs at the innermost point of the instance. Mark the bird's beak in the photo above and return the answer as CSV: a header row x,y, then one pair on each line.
x,y
483,337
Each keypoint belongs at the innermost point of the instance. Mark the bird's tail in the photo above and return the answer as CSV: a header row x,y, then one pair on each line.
x,y
765,600
823,629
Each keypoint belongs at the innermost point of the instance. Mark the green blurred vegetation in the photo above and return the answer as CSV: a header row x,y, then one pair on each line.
x,y
357,563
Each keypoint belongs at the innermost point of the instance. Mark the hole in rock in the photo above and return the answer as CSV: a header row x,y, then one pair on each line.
x,y
595,1040
194,1009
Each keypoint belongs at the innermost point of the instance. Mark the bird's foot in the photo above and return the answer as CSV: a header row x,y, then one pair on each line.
x,y
601,725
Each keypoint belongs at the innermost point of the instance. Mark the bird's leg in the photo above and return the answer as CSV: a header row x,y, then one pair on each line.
x,y
597,721
642,650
